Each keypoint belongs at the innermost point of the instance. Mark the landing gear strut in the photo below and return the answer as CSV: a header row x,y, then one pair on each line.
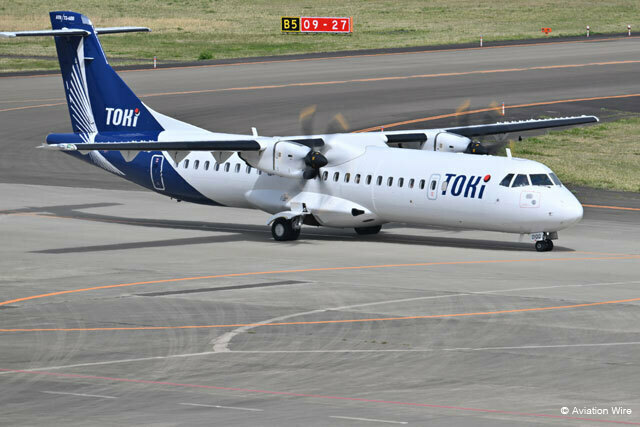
x,y
284,229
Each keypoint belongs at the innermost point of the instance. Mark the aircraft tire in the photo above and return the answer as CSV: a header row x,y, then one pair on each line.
x,y
368,230
544,245
282,230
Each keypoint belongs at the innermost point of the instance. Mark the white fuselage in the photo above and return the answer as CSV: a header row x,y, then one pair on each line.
x,y
380,184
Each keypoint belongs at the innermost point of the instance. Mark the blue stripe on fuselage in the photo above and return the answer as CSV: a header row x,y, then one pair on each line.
x,y
139,169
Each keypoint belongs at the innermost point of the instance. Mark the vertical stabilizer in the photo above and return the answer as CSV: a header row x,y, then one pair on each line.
x,y
98,99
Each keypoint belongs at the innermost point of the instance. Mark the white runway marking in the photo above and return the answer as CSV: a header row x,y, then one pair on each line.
x,y
368,419
385,350
222,407
80,394
109,362
426,350
221,343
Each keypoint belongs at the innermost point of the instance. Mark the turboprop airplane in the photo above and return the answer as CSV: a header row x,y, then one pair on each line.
x,y
347,180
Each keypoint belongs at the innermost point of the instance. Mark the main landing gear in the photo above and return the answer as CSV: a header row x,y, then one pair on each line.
x,y
368,230
284,229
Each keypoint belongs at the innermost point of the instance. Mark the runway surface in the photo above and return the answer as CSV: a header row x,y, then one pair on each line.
x,y
122,307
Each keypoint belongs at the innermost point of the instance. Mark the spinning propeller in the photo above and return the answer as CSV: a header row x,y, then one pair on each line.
x,y
488,144
314,160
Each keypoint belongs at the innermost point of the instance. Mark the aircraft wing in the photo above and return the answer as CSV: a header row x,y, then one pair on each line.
x,y
519,126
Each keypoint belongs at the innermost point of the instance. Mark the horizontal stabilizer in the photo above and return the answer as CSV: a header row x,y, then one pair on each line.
x,y
520,126
116,30
73,32
240,145
60,32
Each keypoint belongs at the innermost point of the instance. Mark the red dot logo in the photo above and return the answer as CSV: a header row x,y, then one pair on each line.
x,y
487,178
136,111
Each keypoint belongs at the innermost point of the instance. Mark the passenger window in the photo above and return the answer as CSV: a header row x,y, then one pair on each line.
x,y
186,164
216,167
506,180
248,169
347,176
422,184
196,164
555,179
259,172
226,167
433,184
390,181
520,181
411,182
206,165
541,179
237,167
368,179
400,182
379,180
336,176
325,175
445,185
356,179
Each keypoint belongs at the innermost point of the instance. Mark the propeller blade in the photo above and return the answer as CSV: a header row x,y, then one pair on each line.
x,y
306,119
310,173
497,142
462,119
500,141
338,124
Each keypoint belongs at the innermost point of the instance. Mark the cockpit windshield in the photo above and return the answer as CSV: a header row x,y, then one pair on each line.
x,y
555,179
520,181
506,180
536,179
540,179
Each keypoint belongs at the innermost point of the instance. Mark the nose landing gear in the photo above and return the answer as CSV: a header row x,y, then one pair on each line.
x,y
544,245
544,240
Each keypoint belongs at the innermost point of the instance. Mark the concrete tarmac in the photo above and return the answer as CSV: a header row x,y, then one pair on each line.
x,y
123,307
510,335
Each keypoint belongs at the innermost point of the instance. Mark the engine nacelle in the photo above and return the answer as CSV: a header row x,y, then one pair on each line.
x,y
282,158
450,142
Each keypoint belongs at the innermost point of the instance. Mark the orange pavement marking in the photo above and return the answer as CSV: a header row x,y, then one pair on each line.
x,y
316,322
612,207
32,106
305,270
350,56
362,80
482,110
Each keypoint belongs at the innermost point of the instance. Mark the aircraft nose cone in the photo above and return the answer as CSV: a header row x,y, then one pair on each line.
x,y
571,210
